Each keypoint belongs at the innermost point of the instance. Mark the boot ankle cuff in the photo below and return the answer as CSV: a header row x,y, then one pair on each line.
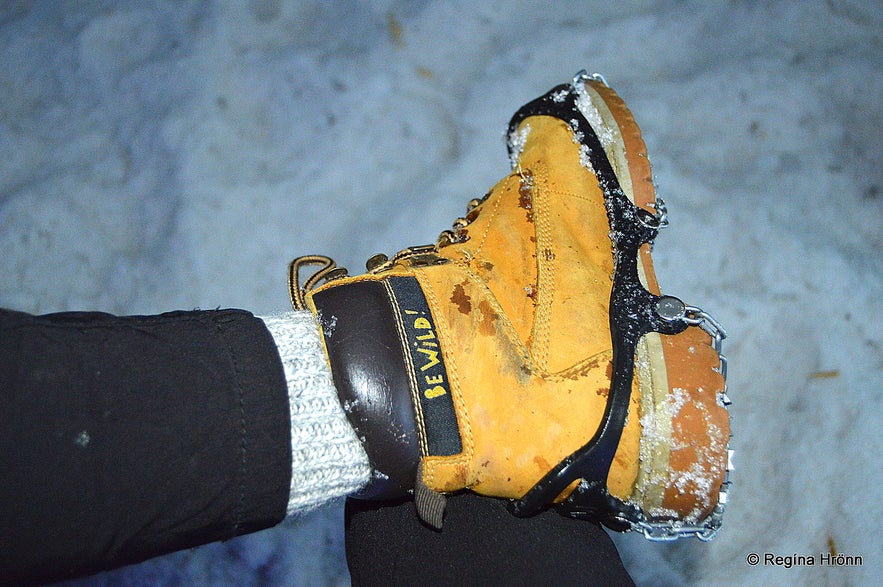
x,y
328,461
370,356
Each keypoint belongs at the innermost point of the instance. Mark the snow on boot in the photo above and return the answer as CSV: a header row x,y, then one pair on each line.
x,y
529,354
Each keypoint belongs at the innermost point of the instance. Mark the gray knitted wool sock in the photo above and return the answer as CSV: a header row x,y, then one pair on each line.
x,y
328,460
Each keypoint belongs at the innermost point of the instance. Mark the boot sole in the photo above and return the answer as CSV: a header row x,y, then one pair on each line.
x,y
684,424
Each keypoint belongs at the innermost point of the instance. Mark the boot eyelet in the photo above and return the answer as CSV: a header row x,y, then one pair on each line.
x,y
375,261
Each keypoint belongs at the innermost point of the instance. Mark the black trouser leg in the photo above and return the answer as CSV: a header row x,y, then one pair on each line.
x,y
481,544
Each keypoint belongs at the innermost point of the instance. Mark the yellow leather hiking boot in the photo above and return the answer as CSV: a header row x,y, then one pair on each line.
x,y
528,354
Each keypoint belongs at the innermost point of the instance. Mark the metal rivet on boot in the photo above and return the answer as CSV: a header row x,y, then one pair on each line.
x,y
670,308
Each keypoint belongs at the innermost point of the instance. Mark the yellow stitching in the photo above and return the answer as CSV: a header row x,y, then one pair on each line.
x,y
509,332
491,215
580,367
415,400
545,269
442,330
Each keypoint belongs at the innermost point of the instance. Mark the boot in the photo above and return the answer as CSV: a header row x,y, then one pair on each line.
x,y
528,354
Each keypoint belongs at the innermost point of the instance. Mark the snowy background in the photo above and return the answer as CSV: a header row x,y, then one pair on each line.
x,y
172,155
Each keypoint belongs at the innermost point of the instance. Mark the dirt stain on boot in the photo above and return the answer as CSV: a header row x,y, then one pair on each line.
x,y
488,317
531,291
590,365
542,463
461,299
525,197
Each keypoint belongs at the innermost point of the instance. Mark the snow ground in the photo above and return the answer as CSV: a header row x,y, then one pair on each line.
x,y
165,155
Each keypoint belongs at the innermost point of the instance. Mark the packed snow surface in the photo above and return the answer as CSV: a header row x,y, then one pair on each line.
x,y
173,155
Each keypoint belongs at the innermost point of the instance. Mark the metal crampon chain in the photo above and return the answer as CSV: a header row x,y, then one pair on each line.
x,y
661,213
705,530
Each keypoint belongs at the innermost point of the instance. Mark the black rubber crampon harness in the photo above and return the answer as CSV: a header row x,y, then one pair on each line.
x,y
634,312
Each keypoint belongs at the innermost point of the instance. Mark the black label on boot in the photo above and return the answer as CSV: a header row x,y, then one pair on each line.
x,y
429,378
